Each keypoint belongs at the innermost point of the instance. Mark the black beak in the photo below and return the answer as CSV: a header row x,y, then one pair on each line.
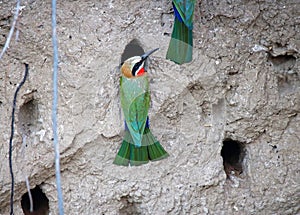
x,y
147,54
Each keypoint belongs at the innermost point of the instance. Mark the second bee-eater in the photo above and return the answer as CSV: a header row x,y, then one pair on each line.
x,y
181,44
139,145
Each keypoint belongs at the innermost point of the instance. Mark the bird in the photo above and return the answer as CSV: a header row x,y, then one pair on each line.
x,y
139,144
180,48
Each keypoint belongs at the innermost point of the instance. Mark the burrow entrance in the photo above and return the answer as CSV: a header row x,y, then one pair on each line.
x,y
40,202
233,153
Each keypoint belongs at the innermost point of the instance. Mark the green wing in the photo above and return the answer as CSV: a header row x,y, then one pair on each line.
x,y
138,112
135,101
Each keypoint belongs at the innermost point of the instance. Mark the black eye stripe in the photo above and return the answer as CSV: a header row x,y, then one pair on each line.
x,y
136,67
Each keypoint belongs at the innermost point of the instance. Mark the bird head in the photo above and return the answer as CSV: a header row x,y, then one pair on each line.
x,y
135,66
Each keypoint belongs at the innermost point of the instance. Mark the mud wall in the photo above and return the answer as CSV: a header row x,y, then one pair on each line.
x,y
229,119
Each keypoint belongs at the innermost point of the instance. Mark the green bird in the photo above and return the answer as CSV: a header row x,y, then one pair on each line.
x,y
181,44
139,145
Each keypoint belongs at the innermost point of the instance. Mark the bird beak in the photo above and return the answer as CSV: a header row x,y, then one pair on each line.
x,y
147,54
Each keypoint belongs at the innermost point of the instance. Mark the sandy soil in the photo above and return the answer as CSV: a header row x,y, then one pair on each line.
x,y
242,87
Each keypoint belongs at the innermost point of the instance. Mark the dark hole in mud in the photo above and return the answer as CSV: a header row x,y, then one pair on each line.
x,y
39,200
233,154
28,117
133,48
281,59
129,207
284,62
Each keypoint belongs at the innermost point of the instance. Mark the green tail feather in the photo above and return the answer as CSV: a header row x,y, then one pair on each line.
x,y
135,156
181,44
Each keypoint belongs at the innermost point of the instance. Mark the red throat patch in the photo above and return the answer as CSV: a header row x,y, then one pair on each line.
x,y
141,72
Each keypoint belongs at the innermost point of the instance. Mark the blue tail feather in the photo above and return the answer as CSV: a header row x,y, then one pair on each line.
x,y
176,13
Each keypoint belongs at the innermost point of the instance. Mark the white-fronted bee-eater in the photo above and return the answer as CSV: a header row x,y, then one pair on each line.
x,y
139,145
181,44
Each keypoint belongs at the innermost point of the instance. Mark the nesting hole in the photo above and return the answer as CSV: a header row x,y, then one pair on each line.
x,y
283,62
233,154
39,200
129,207
28,117
133,48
